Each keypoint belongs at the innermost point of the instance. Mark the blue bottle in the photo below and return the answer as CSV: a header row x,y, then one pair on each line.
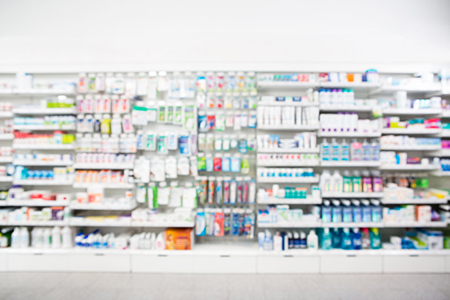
x,y
325,149
375,239
356,239
336,212
325,240
326,212
345,151
335,150
335,238
346,239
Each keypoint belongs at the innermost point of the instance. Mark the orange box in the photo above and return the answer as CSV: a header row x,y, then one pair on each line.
x,y
178,239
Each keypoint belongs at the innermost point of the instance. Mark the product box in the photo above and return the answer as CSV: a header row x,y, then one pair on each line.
x,y
423,213
179,239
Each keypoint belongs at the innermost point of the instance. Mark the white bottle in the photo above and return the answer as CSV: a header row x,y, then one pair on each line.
x,y
277,242
336,182
56,237
15,238
24,238
116,124
153,241
47,238
160,242
312,240
325,181
66,237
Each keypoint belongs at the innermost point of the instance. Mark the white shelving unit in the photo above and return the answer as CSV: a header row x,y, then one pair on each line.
x,y
354,225
406,131
352,195
429,88
32,92
411,148
313,179
349,134
6,137
103,185
349,164
33,203
101,206
42,163
414,201
103,166
6,179
330,108
6,159
94,223
43,147
289,151
290,225
411,112
44,111
281,164
287,103
290,128
38,223
308,201
43,127
350,85
6,114
415,224
409,167
286,84
179,224
42,182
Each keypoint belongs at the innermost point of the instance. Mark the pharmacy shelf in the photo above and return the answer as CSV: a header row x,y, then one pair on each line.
x,y
289,151
409,167
286,84
44,111
43,127
37,223
43,147
6,114
353,225
411,148
284,164
289,127
350,164
287,103
440,173
37,92
103,185
81,222
352,108
103,166
445,133
352,195
41,163
350,85
434,200
445,113
7,136
314,179
6,179
36,203
42,182
414,224
348,134
6,159
405,131
290,225
308,201
428,88
411,112
441,153
74,205
175,224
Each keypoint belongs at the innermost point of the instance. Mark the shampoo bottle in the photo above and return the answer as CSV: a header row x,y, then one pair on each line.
x,y
336,182
268,242
277,242
346,240
347,212
325,150
365,237
326,239
313,241
375,239
335,150
356,151
336,212
345,151
347,185
356,239
335,238
325,182
160,242
366,151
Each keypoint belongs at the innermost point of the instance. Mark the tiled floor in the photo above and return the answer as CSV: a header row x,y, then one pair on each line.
x,y
68,286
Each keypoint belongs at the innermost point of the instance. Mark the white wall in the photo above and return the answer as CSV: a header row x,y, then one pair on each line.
x,y
182,34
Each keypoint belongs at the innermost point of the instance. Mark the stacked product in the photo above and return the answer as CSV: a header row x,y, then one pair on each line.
x,y
347,123
355,151
303,142
225,222
346,211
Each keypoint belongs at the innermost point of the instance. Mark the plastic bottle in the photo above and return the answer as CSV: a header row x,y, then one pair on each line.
x,y
106,124
66,237
366,150
366,211
336,216
277,242
97,118
24,238
356,182
376,211
326,239
335,238
345,151
56,237
325,181
365,238
375,150
356,239
312,240
375,239
160,242
346,239
367,186
347,211
302,240
15,238
47,238
326,212
116,124
335,150
377,182
356,151
268,242
336,182
347,185
325,150
357,213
